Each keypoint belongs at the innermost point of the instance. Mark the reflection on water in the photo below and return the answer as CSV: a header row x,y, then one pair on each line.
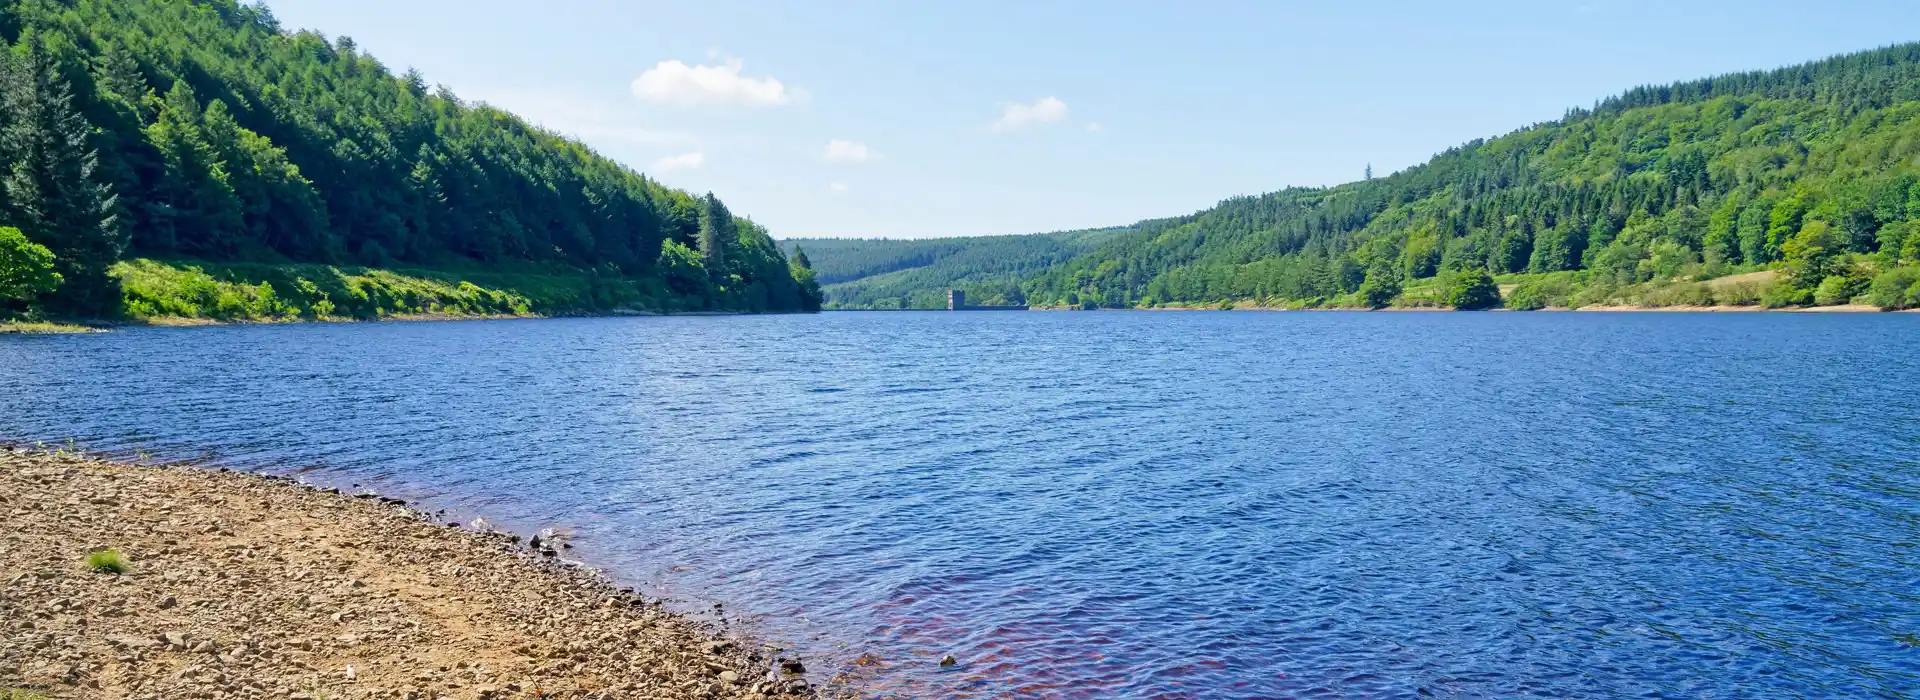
x,y
1132,504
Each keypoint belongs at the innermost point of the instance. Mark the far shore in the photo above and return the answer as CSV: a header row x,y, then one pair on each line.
x,y
156,582
65,327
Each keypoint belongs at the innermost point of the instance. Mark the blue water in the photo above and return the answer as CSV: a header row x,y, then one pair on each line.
x,y
1199,505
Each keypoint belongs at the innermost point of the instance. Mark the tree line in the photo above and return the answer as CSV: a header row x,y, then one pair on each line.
x,y
201,129
1811,172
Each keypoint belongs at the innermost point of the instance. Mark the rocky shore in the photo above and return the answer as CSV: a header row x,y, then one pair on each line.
x,y
242,586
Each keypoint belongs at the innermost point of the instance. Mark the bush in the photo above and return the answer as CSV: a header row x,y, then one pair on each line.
x,y
1834,290
1738,294
1542,292
1472,290
108,561
1782,294
26,268
1893,289
1679,294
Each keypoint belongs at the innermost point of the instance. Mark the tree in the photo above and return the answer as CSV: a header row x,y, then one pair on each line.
x,y
26,268
1472,290
1814,254
716,229
51,190
1381,286
801,269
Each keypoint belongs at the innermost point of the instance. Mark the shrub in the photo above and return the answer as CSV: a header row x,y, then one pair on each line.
x,y
1472,290
1891,289
1680,294
1782,293
26,268
1834,290
1737,294
1542,292
108,561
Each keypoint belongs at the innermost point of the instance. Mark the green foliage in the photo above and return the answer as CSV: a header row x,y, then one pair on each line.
x,y
1783,293
1837,289
1471,290
209,133
1542,292
286,292
26,268
1898,288
108,561
1382,284
1812,168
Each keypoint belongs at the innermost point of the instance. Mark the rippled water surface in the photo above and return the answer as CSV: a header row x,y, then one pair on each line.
x,y
1132,504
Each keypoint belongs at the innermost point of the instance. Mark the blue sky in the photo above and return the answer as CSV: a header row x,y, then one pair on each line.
x,y
918,119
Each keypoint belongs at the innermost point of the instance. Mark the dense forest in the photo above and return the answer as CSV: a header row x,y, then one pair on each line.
x,y
1790,187
201,134
885,273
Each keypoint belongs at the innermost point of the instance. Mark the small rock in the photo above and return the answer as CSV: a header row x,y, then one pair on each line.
x,y
948,661
792,666
729,677
167,603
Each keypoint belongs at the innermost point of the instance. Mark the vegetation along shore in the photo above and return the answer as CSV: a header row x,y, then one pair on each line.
x,y
1786,188
194,160
163,582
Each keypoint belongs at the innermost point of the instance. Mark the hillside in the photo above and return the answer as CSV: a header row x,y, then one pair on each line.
x,y
890,274
202,131
1810,170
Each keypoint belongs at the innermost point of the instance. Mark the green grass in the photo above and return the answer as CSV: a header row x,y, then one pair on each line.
x,y
109,561
22,694
156,289
40,328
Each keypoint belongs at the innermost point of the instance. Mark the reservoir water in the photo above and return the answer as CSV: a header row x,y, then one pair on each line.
x,y
1207,505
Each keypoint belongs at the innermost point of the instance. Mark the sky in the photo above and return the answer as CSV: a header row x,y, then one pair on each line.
x,y
920,119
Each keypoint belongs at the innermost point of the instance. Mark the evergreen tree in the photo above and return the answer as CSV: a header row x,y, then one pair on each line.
x,y
51,189
717,228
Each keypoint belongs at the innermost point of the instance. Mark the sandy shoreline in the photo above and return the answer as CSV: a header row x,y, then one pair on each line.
x,y
243,586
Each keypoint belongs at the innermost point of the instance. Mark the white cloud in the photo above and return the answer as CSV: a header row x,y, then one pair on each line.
x,y
591,120
838,187
844,151
684,161
674,82
1094,126
1046,110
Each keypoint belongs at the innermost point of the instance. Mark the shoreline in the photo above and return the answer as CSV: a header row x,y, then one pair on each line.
x,y
102,326
259,586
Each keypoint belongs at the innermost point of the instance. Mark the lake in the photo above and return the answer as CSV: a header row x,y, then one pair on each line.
x,y
1130,504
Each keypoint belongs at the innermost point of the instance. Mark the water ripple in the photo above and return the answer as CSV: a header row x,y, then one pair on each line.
x,y
1131,504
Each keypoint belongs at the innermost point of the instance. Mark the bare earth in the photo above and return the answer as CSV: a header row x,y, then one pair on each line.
x,y
252,587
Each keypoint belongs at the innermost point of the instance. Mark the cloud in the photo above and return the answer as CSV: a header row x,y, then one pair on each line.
x,y
838,187
684,161
676,83
588,119
1094,126
844,151
1045,110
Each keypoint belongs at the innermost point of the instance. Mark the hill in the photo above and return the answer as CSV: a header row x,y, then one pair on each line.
x,y
201,130
899,274
1810,170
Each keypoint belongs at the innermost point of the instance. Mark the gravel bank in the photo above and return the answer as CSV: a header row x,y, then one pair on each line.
x,y
249,587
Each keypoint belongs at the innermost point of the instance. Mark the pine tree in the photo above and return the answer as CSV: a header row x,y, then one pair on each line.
x,y
716,228
52,192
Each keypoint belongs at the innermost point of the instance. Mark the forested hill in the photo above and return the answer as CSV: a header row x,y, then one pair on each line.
x,y
887,273
1804,175
202,130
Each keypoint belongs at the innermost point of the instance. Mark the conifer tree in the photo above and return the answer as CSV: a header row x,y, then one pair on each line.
x,y
51,190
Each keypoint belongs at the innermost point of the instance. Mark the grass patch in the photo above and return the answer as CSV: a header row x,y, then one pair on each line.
x,y
156,289
39,328
108,561
23,694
